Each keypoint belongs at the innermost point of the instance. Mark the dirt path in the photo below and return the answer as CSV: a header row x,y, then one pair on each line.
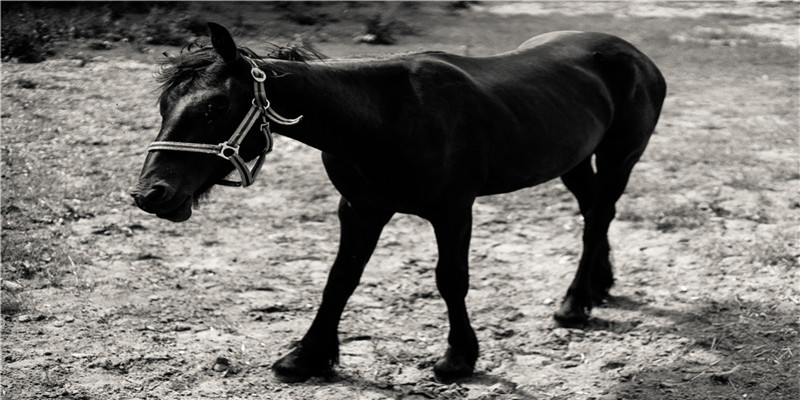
x,y
706,303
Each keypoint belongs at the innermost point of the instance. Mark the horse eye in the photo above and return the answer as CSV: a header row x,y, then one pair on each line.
x,y
216,107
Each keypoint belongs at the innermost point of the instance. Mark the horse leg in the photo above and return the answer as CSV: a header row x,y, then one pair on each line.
x,y
597,195
639,93
580,181
318,351
452,227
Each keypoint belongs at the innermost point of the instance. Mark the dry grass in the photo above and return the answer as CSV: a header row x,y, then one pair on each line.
x,y
717,186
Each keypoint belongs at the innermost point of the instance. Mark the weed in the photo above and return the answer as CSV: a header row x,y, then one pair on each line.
x,y
92,25
461,5
379,32
778,250
12,303
26,83
304,13
158,30
686,216
195,24
100,45
630,216
746,181
27,37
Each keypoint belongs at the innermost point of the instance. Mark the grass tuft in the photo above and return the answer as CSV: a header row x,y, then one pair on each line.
x,y
685,216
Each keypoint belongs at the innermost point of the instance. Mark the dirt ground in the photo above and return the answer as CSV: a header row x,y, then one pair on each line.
x,y
101,301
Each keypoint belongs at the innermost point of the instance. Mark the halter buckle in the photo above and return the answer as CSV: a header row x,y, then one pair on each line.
x,y
227,151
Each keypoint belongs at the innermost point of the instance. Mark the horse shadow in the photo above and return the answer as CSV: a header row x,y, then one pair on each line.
x,y
726,349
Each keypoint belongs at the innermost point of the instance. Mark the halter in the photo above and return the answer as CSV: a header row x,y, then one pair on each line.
x,y
229,149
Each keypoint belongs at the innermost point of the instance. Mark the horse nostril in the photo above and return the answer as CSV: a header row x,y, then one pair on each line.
x,y
158,193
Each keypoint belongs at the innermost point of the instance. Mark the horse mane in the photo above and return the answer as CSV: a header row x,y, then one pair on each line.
x,y
190,66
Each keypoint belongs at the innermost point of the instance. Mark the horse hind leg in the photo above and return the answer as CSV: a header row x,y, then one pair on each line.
x,y
639,94
597,194
594,277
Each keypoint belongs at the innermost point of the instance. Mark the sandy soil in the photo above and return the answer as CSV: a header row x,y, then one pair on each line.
x,y
705,248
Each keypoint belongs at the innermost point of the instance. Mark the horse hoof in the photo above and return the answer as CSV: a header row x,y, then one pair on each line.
x,y
293,367
451,368
571,315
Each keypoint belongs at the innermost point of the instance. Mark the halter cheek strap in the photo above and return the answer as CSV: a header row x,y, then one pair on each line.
x,y
229,149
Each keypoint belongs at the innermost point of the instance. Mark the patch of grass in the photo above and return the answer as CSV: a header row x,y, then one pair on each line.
x,y
31,32
777,249
744,180
305,13
684,216
780,250
34,253
158,29
12,299
378,31
629,215
196,24
461,5
28,37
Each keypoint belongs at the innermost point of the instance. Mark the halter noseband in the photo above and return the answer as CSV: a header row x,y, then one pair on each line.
x,y
229,149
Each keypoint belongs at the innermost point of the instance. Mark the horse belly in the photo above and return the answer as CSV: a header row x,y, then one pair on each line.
x,y
537,155
403,190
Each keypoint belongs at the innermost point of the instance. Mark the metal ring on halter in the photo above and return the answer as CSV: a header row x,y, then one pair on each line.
x,y
258,74
265,107
227,151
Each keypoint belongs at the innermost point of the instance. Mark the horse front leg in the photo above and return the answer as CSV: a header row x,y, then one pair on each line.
x,y
453,228
318,351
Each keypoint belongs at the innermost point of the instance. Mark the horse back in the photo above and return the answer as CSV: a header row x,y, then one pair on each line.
x,y
537,111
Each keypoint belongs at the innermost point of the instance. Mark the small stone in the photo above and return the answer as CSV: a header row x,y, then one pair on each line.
x,y
627,372
12,287
69,319
612,365
502,388
549,301
221,364
569,364
24,318
182,327
561,333
58,323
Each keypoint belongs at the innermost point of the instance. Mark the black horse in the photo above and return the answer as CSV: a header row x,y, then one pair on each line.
x,y
422,134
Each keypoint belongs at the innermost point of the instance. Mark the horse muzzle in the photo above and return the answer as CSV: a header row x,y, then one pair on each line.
x,y
164,201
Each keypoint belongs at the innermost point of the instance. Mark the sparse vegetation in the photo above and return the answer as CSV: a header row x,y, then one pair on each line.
x,y
705,241
31,31
27,37
378,31
685,216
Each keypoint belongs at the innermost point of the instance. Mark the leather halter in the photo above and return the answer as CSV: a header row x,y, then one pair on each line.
x,y
229,149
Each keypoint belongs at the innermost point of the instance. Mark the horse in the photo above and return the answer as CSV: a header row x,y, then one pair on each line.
x,y
422,134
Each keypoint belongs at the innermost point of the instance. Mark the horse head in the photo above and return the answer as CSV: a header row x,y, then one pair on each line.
x,y
207,100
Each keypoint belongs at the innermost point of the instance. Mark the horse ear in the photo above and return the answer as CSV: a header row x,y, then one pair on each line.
x,y
223,42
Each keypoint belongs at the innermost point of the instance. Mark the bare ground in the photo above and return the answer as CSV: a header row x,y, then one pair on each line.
x,y
101,301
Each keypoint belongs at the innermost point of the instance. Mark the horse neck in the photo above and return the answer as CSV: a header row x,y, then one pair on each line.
x,y
340,104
